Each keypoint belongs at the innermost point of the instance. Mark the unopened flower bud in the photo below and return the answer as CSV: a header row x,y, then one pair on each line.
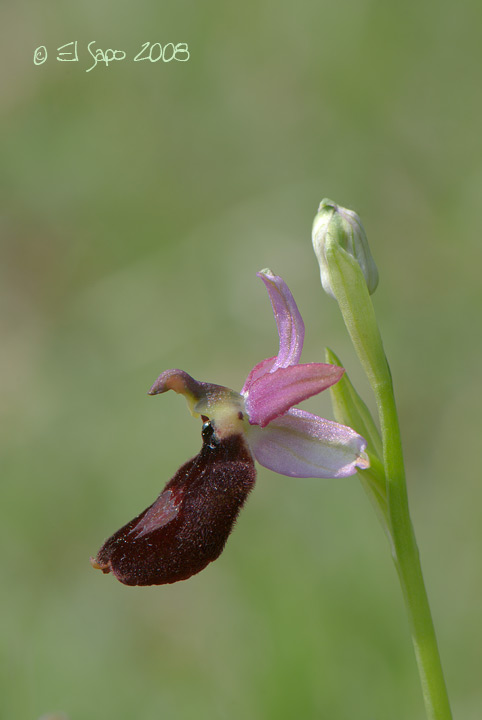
x,y
334,224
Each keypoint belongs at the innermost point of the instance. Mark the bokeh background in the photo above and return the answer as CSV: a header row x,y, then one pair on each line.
x,y
138,202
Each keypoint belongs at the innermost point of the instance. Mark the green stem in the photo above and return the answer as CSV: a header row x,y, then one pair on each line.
x,y
407,561
351,292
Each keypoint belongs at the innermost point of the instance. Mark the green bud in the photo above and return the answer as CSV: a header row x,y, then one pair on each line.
x,y
334,224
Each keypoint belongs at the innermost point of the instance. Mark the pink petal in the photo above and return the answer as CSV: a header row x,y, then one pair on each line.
x,y
300,444
274,393
260,369
291,328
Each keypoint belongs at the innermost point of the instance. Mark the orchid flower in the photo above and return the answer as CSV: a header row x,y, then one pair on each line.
x,y
186,528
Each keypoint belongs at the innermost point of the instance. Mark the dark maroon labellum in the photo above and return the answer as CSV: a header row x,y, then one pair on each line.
x,y
186,528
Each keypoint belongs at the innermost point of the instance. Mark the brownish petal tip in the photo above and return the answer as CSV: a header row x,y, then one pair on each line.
x,y
97,566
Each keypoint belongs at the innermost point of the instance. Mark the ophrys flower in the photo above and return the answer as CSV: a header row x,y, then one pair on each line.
x,y
188,525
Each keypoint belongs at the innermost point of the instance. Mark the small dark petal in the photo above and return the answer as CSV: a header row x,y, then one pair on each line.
x,y
188,525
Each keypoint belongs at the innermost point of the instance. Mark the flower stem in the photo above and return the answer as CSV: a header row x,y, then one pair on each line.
x,y
407,561
350,290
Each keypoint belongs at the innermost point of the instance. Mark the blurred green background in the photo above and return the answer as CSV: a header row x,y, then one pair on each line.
x,y
138,202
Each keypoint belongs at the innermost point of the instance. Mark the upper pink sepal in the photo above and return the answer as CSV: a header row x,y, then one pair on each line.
x,y
275,392
291,328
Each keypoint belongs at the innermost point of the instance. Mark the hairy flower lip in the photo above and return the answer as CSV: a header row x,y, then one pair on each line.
x,y
187,526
